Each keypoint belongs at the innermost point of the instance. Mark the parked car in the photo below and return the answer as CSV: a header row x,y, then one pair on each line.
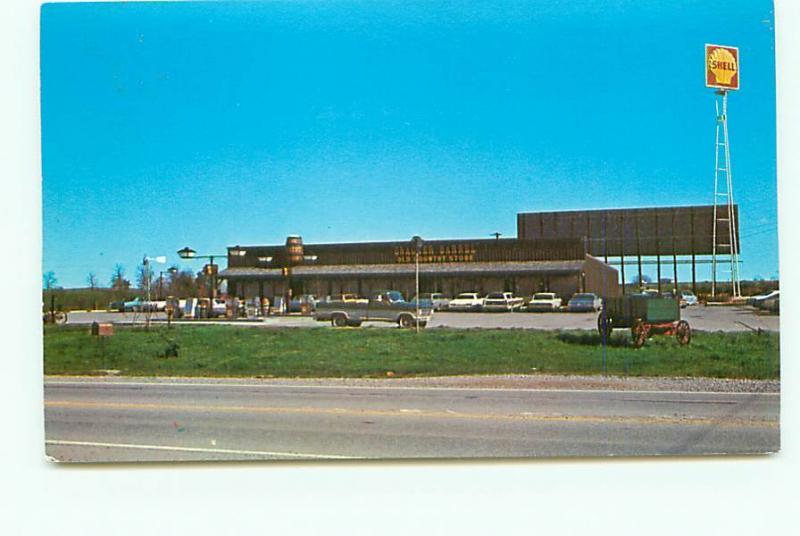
x,y
755,301
544,301
383,306
771,304
118,306
502,301
218,308
137,305
466,301
688,297
585,301
436,300
297,303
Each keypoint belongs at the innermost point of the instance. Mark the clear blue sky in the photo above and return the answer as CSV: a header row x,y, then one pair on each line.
x,y
210,125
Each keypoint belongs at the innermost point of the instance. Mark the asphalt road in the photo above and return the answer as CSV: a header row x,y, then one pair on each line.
x,y
100,420
701,318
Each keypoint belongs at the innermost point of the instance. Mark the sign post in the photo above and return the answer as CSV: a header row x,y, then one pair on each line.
x,y
722,73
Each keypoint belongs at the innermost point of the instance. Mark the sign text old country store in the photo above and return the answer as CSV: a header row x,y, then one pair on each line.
x,y
722,67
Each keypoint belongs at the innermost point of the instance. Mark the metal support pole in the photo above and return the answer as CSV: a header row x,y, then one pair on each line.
x,y
416,259
147,290
638,251
213,291
622,250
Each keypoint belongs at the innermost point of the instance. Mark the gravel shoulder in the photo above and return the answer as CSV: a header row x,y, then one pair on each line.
x,y
533,382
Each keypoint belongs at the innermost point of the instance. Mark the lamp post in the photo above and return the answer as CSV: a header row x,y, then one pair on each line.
x,y
416,241
171,270
190,254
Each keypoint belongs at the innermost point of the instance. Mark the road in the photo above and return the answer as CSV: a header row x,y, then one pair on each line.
x,y
701,318
103,420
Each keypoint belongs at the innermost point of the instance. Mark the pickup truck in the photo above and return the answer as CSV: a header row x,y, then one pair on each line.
x,y
383,306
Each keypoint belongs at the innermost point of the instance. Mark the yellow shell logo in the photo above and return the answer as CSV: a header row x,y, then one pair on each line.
x,y
722,63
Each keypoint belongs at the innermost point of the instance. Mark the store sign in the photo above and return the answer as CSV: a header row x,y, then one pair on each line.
x,y
722,67
439,253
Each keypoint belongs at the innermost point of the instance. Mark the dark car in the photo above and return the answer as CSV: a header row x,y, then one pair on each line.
x,y
583,302
303,303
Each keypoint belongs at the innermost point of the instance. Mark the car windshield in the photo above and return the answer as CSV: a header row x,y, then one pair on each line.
x,y
543,296
496,296
466,296
583,297
394,296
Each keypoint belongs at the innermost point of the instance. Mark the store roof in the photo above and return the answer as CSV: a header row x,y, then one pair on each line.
x,y
405,269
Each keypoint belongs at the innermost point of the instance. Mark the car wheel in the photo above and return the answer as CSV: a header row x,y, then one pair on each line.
x,y
683,333
339,321
405,321
604,326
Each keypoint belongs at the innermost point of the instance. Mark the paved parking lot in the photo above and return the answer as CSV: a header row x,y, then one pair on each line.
x,y
701,318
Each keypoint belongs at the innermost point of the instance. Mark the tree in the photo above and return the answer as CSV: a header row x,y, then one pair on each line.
x,y
118,281
91,280
49,280
182,284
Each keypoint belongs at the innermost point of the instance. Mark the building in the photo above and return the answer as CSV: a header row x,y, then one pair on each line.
x,y
563,252
521,266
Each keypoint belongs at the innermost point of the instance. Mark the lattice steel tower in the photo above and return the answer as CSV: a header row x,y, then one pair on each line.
x,y
725,238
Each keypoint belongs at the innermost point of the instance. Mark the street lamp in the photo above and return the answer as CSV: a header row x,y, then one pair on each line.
x,y
190,254
416,242
171,270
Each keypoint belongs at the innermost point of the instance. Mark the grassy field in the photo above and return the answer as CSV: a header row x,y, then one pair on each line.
x,y
246,351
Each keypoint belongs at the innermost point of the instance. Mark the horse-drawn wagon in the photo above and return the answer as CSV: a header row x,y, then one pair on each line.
x,y
645,316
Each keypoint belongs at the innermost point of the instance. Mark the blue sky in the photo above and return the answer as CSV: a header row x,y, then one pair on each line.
x,y
214,124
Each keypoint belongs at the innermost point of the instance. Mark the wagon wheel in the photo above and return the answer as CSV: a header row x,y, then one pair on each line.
x,y
639,333
683,332
604,325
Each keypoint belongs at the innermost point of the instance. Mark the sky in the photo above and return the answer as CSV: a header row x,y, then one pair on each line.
x,y
214,124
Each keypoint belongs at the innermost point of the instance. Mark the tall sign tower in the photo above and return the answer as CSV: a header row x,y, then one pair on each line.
x,y
722,73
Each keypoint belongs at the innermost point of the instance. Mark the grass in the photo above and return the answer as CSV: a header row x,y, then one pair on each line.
x,y
371,352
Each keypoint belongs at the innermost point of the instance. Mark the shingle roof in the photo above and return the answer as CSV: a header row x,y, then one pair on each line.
x,y
454,268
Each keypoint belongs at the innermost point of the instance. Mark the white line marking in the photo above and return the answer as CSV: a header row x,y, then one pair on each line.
x,y
197,449
398,387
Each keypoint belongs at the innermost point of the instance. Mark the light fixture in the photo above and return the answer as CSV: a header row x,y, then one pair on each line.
x,y
187,253
237,251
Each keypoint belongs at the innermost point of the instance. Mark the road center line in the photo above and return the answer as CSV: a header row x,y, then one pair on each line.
x,y
644,420
198,449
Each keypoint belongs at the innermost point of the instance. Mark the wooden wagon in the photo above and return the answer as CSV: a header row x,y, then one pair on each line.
x,y
645,316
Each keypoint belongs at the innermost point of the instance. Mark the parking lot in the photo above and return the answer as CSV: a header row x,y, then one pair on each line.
x,y
701,318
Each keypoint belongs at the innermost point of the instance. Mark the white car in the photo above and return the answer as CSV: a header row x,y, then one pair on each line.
x,y
502,301
544,301
688,297
466,301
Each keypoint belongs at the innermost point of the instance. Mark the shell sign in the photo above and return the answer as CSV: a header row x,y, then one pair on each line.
x,y
722,67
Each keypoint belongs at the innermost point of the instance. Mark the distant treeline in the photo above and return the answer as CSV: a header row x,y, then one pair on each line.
x,y
70,299
182,284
